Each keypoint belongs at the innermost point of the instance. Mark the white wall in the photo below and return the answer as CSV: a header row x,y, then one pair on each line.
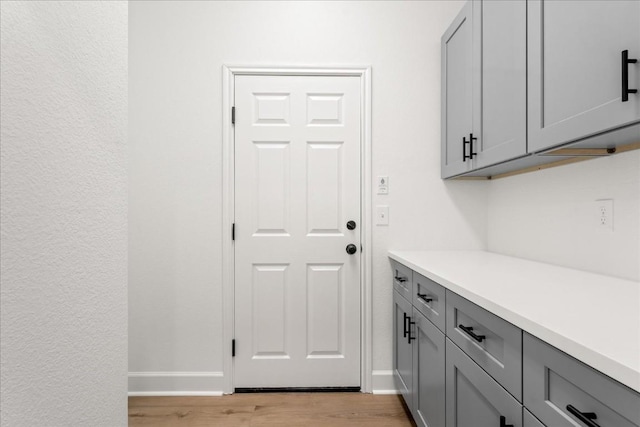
x,y
549,216
177,50
63,218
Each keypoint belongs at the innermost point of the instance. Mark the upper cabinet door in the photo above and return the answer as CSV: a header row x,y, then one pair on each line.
x,y
500,37
575,73
457,97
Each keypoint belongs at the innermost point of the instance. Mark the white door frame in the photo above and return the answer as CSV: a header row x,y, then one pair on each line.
x,y
228,186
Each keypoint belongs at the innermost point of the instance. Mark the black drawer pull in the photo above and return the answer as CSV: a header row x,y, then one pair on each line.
x,y
469,331
425,298
400,279
503,422
625,75
405,324
586,417
410,323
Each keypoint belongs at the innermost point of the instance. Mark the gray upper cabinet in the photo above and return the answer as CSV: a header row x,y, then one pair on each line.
x,y
474,399
575,79
457,97
484,86
428,371
402,348
500,115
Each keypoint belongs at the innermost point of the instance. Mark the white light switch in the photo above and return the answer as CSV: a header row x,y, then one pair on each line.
x,y
383,185
382,215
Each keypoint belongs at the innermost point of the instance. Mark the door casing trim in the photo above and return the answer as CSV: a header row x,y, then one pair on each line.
x,y
228,189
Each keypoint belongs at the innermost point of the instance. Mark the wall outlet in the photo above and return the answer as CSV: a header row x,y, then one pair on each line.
x,y
604,214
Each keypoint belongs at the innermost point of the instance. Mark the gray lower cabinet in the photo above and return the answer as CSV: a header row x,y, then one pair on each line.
x,y
402,348
563,392
529,420
428,373
574,64
478,370
474,399
492,342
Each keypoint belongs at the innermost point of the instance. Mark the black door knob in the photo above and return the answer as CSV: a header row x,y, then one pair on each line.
x,y
351,225
351,249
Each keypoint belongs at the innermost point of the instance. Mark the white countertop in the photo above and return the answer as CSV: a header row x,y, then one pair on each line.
x,y
592,317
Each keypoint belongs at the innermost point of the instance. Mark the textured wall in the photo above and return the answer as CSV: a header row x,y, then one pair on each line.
x,y
550,216
177,50
64,214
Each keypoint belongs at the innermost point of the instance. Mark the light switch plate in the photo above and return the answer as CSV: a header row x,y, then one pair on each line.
x,y
382,215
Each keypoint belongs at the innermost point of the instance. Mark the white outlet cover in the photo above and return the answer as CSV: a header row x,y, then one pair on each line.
x,y
603,214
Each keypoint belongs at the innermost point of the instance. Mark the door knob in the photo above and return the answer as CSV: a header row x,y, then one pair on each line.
x,y
351,225
351,249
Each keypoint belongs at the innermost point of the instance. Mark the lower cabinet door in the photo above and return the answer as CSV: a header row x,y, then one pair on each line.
x,y
428,373
402,348
529,420
474,399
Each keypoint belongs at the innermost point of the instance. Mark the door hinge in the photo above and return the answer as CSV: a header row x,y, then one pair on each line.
x,y
233,231
233,348
233,115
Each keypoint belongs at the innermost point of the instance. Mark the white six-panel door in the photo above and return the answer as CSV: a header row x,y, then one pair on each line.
x,y
297,184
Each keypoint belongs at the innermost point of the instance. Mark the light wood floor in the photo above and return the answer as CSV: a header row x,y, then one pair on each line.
x,y
270,409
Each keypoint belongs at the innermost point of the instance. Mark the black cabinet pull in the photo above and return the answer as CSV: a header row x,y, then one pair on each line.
x,y
400,279
586,417
410,324
464,147
469,331
425,298
503,422
404,327
625,75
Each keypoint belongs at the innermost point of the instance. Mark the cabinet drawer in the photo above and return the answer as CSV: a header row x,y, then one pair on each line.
x,y
473,398
554,382
529,420
429,298
493,343
402,280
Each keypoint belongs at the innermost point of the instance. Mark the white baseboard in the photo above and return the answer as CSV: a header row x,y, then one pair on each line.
x,y
176,383
383,382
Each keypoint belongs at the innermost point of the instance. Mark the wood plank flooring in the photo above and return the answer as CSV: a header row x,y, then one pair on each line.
x,y
270,409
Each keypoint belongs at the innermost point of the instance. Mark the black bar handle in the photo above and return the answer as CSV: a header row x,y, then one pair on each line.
x,y
410,337
469,331
464,147
503,422
625,75
405,325
425,298
400,279
471,152
586,417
